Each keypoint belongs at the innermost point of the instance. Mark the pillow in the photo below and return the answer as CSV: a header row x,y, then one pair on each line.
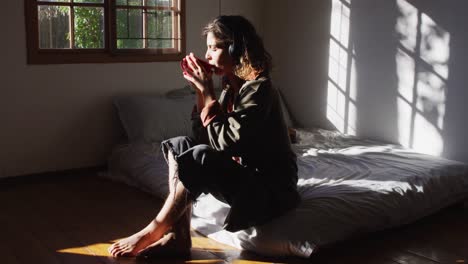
x,y
186,92
284,109
155,118
140,165
287,118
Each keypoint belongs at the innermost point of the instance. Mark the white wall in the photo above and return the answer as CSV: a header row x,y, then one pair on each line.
x,y
58,117
298,34
381,76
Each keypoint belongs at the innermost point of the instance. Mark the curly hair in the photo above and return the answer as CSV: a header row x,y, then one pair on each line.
x,y
245,46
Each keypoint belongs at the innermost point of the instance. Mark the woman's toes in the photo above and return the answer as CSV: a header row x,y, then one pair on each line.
x,y
115,251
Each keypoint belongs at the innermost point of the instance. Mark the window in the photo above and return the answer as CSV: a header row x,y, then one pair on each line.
x,y
83,31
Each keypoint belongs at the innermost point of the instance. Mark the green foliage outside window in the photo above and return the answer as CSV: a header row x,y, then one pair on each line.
x,y
89,26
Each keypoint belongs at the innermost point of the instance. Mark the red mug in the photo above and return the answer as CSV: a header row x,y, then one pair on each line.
x,y
208,67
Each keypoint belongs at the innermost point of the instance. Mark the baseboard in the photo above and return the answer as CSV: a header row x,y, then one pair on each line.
x,y
51,175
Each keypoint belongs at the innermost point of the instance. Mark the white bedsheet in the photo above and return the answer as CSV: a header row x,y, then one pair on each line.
x,y
348,187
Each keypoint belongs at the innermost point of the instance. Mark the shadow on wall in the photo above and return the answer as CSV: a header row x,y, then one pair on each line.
x,y
396,73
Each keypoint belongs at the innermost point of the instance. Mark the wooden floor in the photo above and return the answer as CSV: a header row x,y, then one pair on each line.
x,y
74,220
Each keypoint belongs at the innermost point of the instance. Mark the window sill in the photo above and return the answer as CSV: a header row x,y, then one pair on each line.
x,y
74,57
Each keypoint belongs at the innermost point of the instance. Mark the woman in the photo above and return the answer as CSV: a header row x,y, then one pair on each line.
x,y
240,152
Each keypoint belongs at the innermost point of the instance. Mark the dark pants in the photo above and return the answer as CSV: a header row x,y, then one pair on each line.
x,y
202,169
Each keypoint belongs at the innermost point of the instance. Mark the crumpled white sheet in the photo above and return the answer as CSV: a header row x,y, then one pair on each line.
x,y
348,187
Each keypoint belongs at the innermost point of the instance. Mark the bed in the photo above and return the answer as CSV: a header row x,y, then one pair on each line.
x,y
349,186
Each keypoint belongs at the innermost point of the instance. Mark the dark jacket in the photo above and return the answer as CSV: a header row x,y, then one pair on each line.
x,y
254,131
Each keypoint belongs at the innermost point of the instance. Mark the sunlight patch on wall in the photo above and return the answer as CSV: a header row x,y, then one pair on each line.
x,y
422,69
405,73
337,68
340,22
407,25
404,121
336,106
435,49
427,137
341,100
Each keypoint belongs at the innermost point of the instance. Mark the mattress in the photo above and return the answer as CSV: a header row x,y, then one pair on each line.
x,y
349,187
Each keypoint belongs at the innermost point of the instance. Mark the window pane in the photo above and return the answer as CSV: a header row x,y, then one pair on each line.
x,y
159,29
54,27
163,43
129,28
129,43
89,1
89,27
130,2
159,2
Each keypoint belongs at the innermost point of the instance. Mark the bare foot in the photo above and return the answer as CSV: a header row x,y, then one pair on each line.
x,y
132,245
170,245
174,214
176,243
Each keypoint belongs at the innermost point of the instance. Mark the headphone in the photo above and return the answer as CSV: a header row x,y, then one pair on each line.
x,y
232,23
236,48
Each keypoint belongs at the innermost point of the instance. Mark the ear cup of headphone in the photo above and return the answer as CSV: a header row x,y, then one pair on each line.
x,y
232,50
235,48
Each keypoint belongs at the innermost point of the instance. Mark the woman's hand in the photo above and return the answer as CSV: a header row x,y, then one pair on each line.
x,y
201,81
